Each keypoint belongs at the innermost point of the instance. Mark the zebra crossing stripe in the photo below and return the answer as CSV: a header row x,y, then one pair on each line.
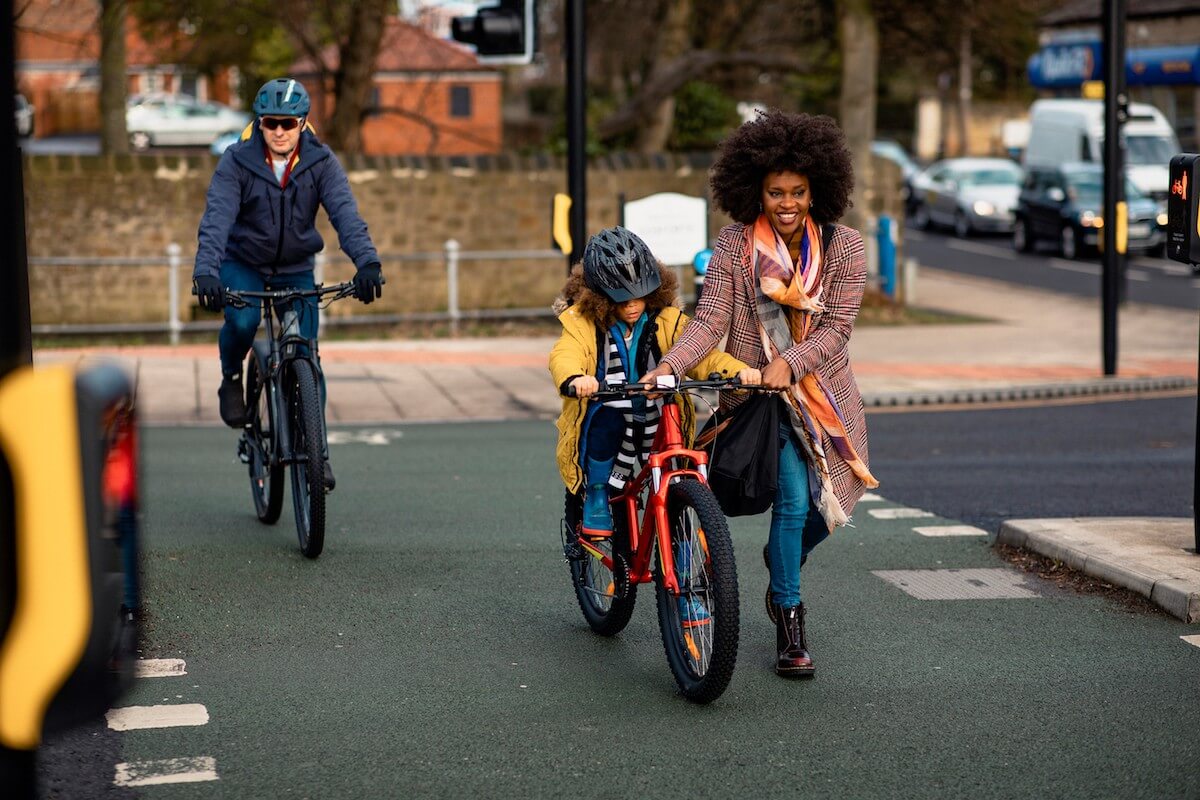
x,y
166,770
165,716
898,513
159,668
950,530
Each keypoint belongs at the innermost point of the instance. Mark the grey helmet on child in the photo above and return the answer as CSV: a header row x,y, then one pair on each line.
x,y
618,264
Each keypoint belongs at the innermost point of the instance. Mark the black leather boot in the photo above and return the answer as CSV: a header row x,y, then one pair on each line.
x,y
794,660
232,401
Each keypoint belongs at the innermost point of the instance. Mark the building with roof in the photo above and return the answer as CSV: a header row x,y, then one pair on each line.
x,y
429,97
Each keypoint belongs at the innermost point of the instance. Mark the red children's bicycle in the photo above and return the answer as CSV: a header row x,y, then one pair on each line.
x,y
681,543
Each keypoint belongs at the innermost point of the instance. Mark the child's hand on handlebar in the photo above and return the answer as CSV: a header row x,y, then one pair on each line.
x,y
749,377
585,386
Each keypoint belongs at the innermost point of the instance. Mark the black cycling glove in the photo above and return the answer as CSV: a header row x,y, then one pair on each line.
x,y
368,283
210,293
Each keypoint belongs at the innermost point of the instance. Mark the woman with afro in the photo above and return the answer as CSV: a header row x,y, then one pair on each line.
x,y
783,288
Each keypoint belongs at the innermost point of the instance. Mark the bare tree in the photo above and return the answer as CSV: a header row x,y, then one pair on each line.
x,y
113,136
859,39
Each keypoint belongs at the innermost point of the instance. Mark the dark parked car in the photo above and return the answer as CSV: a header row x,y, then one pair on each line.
x,y
1064,204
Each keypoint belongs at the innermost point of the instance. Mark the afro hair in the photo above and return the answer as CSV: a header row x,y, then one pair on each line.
x,y
602,311
777,141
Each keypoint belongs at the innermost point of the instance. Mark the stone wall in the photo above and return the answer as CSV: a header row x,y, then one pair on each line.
x,y
134,206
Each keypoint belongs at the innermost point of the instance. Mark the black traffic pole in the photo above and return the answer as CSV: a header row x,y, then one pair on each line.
x,y
1114,175
576,127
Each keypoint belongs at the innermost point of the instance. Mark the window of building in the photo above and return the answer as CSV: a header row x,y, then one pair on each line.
x,y
460,101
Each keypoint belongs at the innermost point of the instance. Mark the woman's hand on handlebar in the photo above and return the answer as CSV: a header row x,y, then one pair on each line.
x,y
778,374
585,386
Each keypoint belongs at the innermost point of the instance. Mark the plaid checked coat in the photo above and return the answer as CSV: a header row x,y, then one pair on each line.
x,y
727,311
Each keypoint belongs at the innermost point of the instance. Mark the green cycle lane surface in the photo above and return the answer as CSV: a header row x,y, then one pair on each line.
x,y
436,649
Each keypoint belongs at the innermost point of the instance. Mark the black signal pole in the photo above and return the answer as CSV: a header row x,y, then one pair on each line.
x,y
576,127
1115,104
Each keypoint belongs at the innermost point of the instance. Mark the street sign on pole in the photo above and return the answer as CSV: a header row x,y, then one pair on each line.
x,y
674,226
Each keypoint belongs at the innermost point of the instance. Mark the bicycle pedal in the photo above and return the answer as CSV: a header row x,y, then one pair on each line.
x,y
243,450
572,550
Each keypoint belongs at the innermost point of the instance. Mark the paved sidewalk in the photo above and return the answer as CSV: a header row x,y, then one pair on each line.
x,y
1030,345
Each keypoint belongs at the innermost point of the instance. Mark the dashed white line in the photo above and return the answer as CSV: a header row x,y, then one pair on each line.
x,y
870,497
159,668
168,716
898,513
1136,275
1073,266
1192,640
951,530
981,249
166,770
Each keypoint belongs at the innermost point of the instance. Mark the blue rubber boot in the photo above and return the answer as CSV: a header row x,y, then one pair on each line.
x,y
597,514
692,611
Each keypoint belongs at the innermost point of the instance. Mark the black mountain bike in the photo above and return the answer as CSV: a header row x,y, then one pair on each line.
x,y
285,421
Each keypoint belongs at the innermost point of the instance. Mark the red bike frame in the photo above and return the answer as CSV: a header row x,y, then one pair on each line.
x,y
658,473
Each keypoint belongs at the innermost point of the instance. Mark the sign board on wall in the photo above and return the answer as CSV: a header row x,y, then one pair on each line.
x,y
674,226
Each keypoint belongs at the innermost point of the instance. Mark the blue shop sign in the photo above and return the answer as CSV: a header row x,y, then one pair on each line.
x,y
1069,64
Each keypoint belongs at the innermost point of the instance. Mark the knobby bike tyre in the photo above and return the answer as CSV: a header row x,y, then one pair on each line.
x,y
606,599
308,444
701,653
266,472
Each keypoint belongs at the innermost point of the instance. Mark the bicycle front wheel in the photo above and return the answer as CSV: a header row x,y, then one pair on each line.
x,y
699,624
308,443
266,472
605,595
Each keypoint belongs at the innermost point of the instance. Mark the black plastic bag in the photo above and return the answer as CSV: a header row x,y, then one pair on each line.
x,y
743,448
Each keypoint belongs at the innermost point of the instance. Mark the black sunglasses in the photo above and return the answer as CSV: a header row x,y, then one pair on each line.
x,y
287,123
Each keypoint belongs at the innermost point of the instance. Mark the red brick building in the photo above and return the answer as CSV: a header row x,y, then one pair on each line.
x,y
430,97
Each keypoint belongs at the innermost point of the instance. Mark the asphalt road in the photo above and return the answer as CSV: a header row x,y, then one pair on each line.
x,y
1156,281
435,649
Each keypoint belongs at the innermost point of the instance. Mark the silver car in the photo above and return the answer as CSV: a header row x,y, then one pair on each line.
x,y
179,120
972,195
24,116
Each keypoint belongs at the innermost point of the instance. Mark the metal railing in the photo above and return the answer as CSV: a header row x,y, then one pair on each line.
x,y
451,255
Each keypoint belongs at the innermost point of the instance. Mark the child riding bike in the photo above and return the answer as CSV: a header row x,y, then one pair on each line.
x,y
618,317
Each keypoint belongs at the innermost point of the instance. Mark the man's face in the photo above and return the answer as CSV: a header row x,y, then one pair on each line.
x,y
282,133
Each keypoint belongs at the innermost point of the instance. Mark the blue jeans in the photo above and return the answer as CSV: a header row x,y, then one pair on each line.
x,y
237,334
796,525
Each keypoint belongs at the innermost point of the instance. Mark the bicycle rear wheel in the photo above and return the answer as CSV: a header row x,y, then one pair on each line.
x,y
308,444
266,473
700,624
606,597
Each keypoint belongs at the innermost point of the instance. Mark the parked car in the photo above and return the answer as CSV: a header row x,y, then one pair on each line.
x,y
894,152
223,142
970,194
24,116
179,120
1064,204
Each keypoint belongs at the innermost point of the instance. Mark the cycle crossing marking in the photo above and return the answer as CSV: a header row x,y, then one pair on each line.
x,y
870,497
373,437
899,513
958,584
159,668
950,530
162,716
166,770
1193,640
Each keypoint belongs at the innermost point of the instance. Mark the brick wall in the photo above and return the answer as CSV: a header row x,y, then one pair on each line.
x,y
134,206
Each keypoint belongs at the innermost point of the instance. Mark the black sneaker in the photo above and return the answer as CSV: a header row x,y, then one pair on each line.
x,y
330,481
232,397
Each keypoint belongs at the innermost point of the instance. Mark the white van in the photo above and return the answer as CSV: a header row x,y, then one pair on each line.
x,y
1073,130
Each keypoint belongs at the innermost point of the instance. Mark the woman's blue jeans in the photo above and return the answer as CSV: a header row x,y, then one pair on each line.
x,y
241,324
796,525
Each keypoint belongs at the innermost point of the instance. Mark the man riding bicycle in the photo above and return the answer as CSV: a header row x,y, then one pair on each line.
x,y
258,230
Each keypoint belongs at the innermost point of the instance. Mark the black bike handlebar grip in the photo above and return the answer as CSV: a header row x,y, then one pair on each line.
x,y
715,376
571,391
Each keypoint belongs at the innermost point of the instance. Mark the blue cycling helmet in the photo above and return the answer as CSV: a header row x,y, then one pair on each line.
x,y
282,97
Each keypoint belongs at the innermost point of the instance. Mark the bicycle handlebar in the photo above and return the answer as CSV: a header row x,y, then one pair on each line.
x,y
622,391
239,298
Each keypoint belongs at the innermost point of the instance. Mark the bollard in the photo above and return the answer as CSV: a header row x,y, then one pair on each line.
x,y
452,249
910,281
319,278
885,236
174,325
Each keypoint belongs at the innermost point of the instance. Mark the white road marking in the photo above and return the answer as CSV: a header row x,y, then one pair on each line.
x,y
951,530
166,770
1163,265
981,249
1136,275
1192,640
168,716
870,497
375,437
1196,284
1074,266
898,513
159,667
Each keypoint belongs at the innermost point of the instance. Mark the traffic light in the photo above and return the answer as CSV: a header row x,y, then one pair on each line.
x,y
68,494
502,34
1183,233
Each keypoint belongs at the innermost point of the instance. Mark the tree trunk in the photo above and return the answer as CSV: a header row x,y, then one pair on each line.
x,y
355,77
964,89
860,63
113,136
673,42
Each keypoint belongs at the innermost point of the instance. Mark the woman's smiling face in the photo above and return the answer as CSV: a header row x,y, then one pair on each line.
x,y
786,199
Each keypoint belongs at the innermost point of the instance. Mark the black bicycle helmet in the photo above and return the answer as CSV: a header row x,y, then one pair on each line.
x,y
617,263
282,97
